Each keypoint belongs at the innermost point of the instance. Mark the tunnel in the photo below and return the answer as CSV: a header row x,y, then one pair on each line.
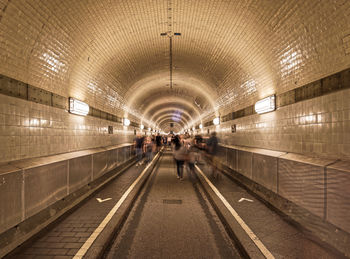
x,y
255,92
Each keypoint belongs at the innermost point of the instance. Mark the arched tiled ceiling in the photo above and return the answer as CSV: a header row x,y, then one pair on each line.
x,y
166,126
154,101
157,87
173,111
175,102
230,53
169,120
172,119
175,117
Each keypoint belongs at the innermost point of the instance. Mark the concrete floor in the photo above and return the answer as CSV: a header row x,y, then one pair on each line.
x,y
171,220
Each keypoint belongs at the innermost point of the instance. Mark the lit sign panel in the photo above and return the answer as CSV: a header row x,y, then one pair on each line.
x,y
126,122
216,121
78,107
267,104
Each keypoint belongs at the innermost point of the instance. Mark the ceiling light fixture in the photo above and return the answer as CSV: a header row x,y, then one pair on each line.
x,y
170,34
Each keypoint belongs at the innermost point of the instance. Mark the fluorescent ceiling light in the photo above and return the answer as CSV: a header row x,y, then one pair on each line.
x,y
126,122
216,121
78,107
267,104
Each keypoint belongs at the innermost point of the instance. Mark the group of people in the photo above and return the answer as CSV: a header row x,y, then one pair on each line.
x,y
187,150
148,146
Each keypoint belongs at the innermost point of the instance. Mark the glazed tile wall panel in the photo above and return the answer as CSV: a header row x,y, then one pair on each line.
x,y
29,129
315,127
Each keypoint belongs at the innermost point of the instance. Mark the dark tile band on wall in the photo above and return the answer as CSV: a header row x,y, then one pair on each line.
x,y
18,89
323,86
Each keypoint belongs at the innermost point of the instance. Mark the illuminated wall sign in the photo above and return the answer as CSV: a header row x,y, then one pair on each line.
x,y
216,121
78,107
267,104
126,122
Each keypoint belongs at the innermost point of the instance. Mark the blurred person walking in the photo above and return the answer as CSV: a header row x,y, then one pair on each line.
x,y
179,156
149,149
212,151
192,157
169,140
158,142
138,142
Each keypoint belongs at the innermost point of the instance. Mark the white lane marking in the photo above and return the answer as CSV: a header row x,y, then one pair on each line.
x,y
250,233
245,199
82,251
101,200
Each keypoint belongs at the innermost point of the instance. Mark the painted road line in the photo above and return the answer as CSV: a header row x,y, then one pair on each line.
x,y
103,200
240,221
82,251
245,199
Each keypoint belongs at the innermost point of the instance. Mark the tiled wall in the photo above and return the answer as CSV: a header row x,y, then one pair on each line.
x,y
316,127
28,129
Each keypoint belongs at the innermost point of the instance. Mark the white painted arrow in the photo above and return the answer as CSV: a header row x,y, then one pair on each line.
x,y
244,199
100,200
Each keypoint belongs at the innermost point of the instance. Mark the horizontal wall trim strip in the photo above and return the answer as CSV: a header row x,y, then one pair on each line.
x,y
323,86
15,88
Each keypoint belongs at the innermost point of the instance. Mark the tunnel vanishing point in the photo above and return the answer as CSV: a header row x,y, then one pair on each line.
x,y
80,79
